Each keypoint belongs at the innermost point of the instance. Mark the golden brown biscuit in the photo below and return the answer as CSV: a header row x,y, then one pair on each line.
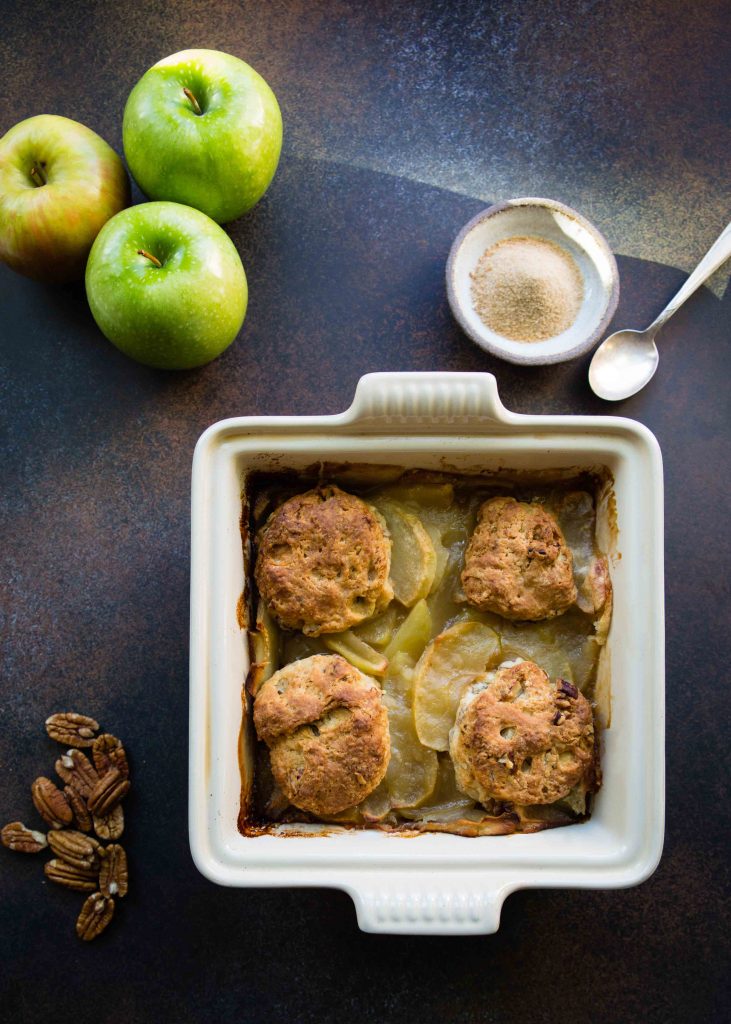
x,y
520,738
327,732
323,562
517,563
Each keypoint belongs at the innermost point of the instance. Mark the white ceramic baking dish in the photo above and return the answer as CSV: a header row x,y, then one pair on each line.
x,y
434,883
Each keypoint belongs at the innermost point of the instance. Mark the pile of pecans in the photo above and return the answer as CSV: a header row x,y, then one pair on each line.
x,y
91,800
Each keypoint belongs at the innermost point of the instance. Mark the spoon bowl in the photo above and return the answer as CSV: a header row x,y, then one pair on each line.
x,y
623,364
627,360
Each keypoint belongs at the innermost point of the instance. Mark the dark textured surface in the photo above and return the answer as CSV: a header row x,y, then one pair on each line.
x,y
345,258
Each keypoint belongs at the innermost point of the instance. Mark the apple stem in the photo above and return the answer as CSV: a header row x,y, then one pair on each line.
x,y
193,101
36,173
149,256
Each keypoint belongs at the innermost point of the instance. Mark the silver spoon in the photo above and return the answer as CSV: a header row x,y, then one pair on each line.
x,y
627,360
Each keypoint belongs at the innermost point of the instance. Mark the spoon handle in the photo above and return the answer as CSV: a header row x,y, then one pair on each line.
x,y
716,255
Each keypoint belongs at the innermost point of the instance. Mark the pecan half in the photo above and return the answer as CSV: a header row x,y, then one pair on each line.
x,y
76,849
113,874
51,803
110,826
95,915
565,687
109,753
70,876
17,837
72,729
107,793
78,806
77,771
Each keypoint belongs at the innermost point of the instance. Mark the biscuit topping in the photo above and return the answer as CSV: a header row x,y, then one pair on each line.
x,y
327,732
323,562
519,739
518,564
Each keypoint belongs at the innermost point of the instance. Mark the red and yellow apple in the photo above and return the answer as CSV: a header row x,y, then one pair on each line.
x,y
59,184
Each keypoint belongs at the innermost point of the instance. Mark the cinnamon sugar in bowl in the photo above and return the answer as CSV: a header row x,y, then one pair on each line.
x,y
532,281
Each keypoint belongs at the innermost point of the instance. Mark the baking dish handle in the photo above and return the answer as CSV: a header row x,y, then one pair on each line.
x,y
462,399
419,906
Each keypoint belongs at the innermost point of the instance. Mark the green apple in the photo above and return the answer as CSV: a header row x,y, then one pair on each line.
x,y
166,285
203,128
59,183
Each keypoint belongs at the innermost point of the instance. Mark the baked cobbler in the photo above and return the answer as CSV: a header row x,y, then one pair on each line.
x,y
424,649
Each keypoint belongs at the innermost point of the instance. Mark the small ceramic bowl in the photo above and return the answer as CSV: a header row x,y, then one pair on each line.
x,y
545,219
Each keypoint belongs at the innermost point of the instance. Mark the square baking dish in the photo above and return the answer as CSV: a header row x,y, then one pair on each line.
x,y
433,883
